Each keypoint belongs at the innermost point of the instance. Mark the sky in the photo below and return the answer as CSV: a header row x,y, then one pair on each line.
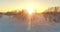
x,y
9,5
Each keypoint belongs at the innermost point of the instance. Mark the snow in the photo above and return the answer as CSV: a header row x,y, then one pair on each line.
x,y
39,24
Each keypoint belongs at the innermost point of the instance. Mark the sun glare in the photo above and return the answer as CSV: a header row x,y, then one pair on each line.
x,y
30,9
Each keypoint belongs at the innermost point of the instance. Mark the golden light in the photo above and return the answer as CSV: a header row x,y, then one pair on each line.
x,y
30,9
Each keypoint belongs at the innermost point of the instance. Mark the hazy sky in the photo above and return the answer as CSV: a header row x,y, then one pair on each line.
x,y
7,5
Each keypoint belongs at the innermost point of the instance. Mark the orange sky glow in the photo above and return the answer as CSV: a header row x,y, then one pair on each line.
x,y
38,5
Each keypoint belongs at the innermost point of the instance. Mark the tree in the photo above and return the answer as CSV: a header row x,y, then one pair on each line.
x,y
52,14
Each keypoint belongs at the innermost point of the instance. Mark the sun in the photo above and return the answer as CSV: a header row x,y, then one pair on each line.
x,y
30,9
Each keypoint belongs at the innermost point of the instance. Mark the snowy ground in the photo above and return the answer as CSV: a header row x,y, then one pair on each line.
x,y
39,24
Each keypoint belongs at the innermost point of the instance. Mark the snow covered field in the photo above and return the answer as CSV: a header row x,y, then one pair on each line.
x,y
39,24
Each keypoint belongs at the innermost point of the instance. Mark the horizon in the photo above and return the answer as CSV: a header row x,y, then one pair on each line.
x,y
51,9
